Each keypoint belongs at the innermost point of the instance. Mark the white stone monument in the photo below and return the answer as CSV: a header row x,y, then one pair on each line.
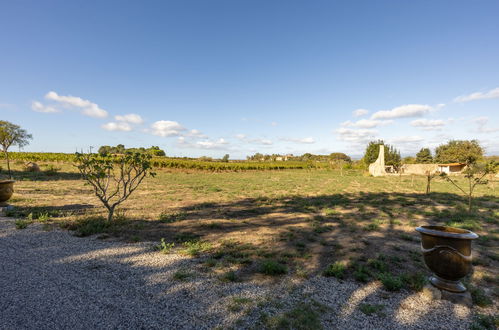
x,y
378,167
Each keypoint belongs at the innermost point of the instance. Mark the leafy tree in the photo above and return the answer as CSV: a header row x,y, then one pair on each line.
x,y
392,155
461,151
114,178
156,151
12,135
336,156
424,156
225,158
475,173
409,160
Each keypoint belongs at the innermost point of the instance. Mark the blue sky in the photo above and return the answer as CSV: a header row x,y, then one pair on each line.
x,y
239,77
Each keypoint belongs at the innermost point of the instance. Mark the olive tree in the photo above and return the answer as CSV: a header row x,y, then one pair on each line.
x,y
114,178
12,135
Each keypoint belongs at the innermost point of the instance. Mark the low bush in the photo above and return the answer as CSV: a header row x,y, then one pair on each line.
x,y
391,282
272,267
336,269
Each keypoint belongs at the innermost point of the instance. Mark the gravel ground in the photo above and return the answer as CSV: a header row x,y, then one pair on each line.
x,y
51,279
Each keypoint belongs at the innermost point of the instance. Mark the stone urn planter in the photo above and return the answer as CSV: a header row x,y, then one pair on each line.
x,y
6,190
447,253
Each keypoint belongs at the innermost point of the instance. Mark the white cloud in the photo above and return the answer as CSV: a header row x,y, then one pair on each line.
x,y
356,135
428,125
482,125
492,94
246,139
203,144
39,107
131,118
166,128
307,140
87,108
360,112
366,123
119,126
196,133
403,111
406,139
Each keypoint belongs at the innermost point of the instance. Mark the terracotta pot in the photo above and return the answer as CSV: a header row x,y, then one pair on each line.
x,y
447,253
6,190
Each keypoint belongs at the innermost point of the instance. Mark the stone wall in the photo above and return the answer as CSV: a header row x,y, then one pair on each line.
x,y
419,169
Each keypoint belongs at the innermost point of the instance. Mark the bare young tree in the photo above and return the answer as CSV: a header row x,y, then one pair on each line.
x,y
114,178
475,174
12,135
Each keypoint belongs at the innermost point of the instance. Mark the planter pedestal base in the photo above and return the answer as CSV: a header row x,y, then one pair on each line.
x,y
4,208
460,298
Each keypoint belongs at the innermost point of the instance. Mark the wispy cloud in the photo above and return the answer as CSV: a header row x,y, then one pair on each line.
x,y
131,118
360,112
307,140
366,123
403,111
428,124
262,141
87,107
482,123
119,126
356,136
166,128
39,107
492,94
221,143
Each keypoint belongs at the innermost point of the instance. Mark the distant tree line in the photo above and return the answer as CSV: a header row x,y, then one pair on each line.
x,y
454,151
333,157
121,150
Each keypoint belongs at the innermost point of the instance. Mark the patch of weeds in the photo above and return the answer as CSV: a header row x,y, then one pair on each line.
x,y
22,224
414,281
336,269
407,237
485,322
329,211
479,297
370,309
237,304
210,262
165,247
170,217
181,275
212,225
377,264
373,226
272,267
229,276
361,273
186,237
90,226
194,248
466,224
319,229
303,317
391,282
303,273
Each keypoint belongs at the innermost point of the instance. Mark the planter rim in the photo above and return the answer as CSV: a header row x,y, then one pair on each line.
x,y
7,181
446,231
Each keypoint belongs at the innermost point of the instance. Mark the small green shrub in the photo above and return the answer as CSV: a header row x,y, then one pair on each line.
x,y
195,248
336,269
229,276
377,264
479,297
22,224
165,247
485,322
170,217
391,282
51,170
90,226
414,281
370,309
272,267
361,274
303,317
182,275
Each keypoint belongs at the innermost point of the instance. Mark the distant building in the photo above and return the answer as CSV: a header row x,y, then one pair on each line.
x,y
451,168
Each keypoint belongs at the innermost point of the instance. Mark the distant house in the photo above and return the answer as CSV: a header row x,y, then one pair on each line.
x,y
451,168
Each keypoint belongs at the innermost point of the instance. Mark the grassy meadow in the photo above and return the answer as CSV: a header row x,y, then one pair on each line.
x,y
258,225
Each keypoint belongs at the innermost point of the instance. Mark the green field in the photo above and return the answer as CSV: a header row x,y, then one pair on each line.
x,y
260,223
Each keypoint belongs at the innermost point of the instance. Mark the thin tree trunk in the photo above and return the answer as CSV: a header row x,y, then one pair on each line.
x,y
110,214
8,163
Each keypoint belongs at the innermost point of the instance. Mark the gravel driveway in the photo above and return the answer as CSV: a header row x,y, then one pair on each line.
x,y
53,280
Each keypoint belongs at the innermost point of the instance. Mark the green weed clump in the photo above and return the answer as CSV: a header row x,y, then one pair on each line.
x,y
479,297
22,224
182,275
90,226
304,317
165,247
391,282
370,309
336,269
229,276
485,322
414,281
195,248
170,217
272,267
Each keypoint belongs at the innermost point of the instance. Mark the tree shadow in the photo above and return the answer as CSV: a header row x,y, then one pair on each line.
x,y
39,176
